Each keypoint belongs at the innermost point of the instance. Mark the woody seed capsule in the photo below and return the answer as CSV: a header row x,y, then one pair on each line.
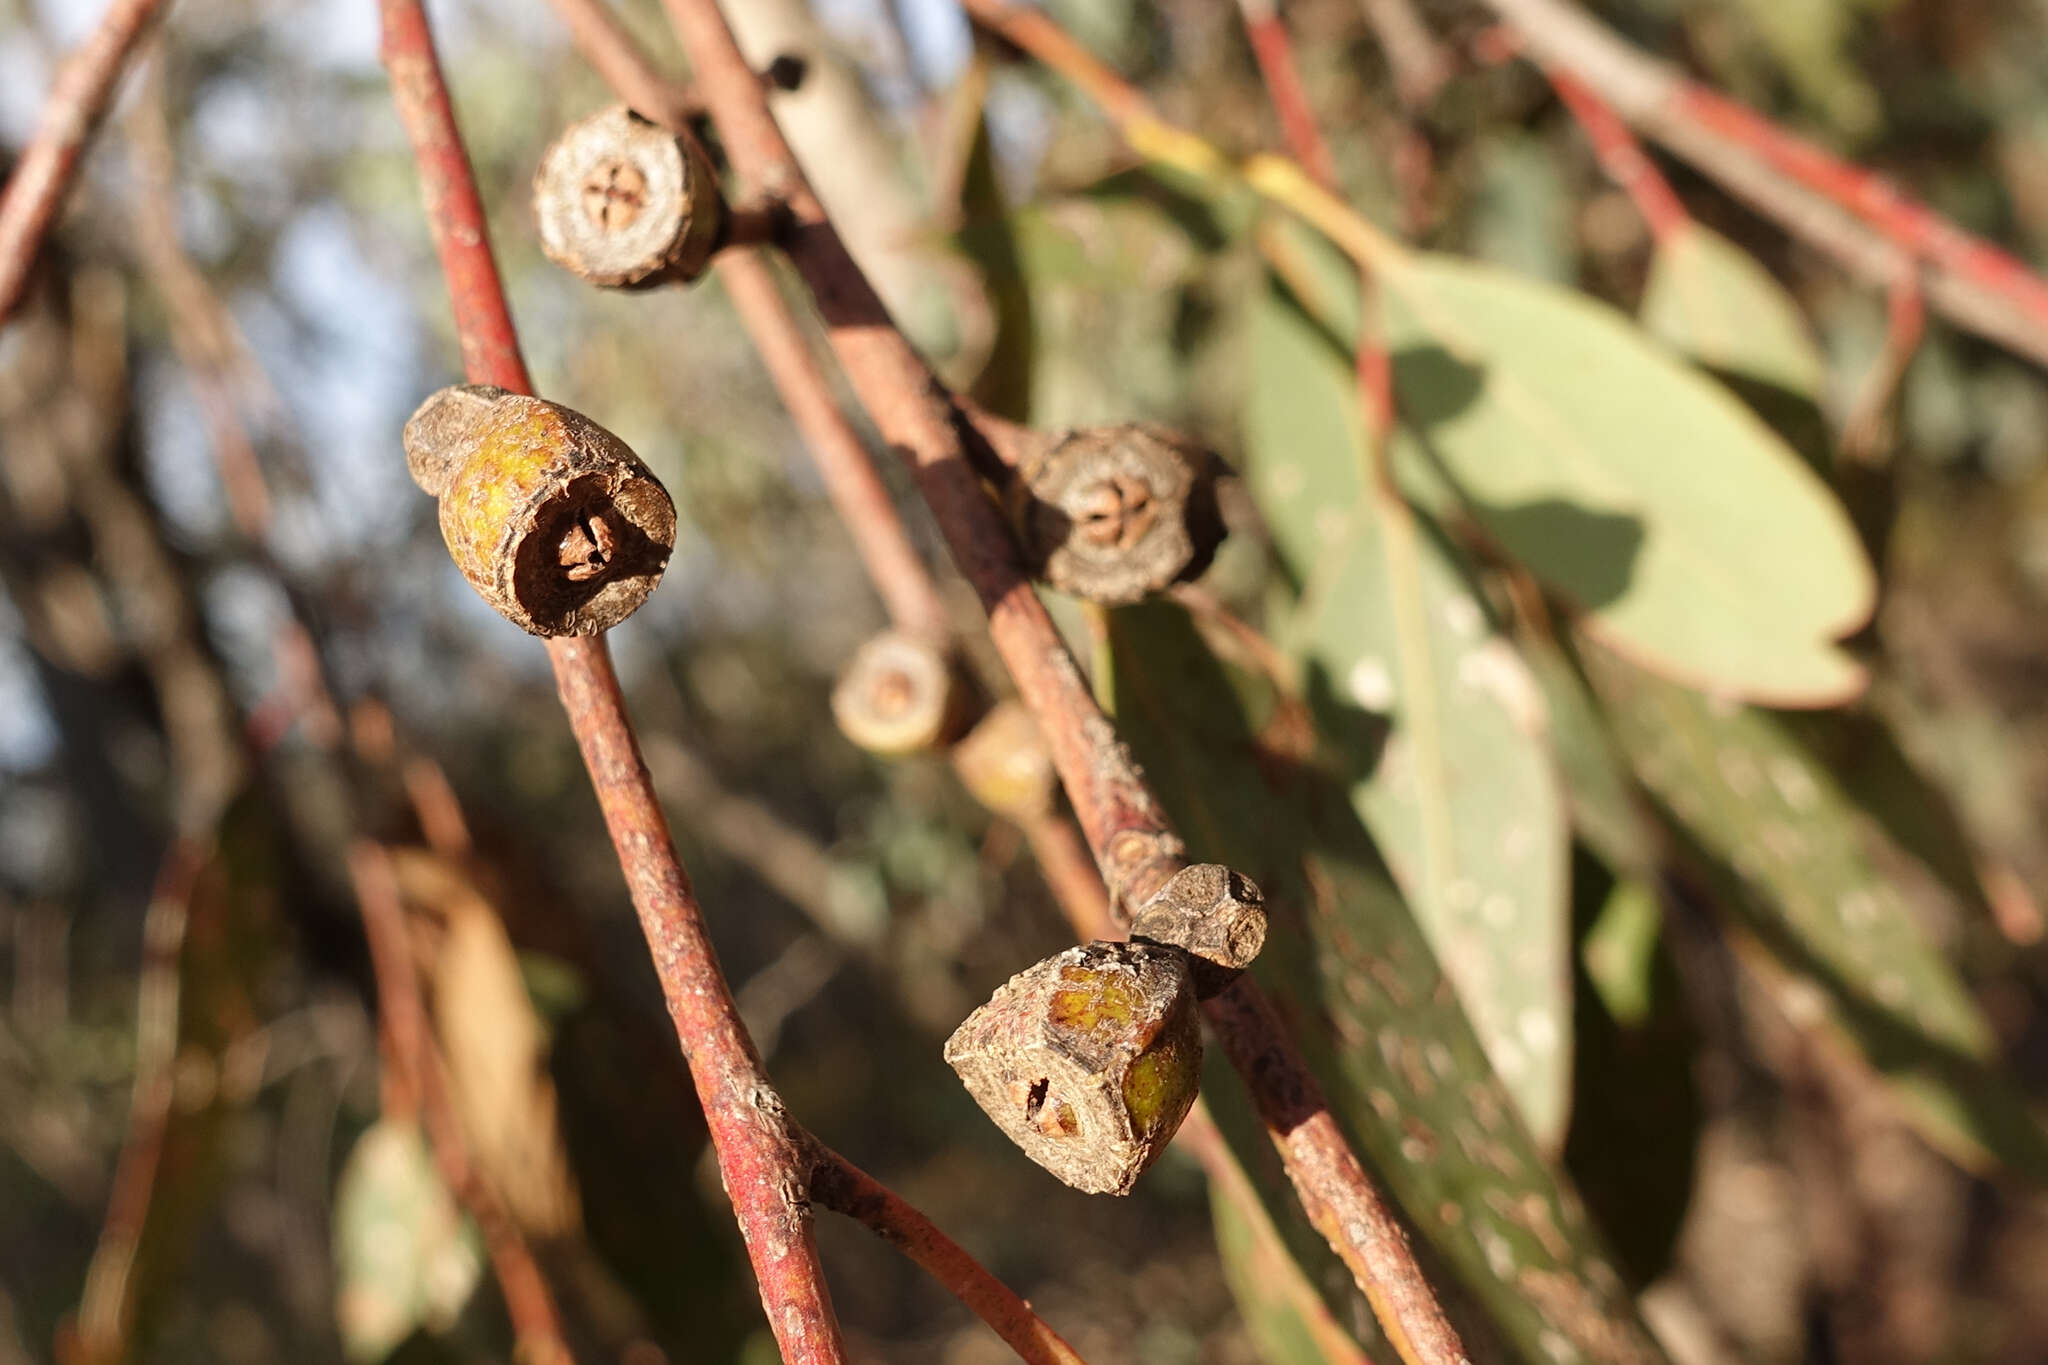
x,y
553,520
623,202
1004,763
1113,514
898,696
1088,1061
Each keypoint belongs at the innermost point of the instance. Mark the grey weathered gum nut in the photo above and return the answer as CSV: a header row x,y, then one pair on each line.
x,y
1114,514
553,520
1088,1061
897,695
623,202
1212,912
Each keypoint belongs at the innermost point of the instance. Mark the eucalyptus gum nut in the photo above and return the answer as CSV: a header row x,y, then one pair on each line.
x,y
623,202
1114,514
898,695
1218,916
1088,1061
553,520
1005,764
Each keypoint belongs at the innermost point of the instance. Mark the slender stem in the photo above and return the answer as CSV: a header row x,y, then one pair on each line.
x,y
1858,218
915,413
1419,63
757,1145
416,1087
1123,822
77,102
851,479
1274,51
843,1187
1865,432
1621,156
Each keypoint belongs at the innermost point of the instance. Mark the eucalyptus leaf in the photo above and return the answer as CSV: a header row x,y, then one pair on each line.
x,y
405,1259
1691,537
1348,967
1433,715
1711,300
1788,850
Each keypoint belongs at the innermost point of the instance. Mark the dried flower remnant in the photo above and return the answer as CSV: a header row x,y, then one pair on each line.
x,y
1088,1061
554,521
623,202
1113,514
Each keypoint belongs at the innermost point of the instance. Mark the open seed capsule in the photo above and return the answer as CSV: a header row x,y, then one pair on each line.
x,y
553,520
1088,1061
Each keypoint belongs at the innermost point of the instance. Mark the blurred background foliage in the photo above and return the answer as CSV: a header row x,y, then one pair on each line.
x,y
1627,988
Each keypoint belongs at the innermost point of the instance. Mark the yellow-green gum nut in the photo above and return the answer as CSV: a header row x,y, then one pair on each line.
x,y
517,475
1004,762
1088,1061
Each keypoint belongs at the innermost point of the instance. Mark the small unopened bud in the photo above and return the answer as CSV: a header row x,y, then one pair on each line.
x,y
1113,514
1005,764
898,695
623,202
1218,916
553,520
1088,1061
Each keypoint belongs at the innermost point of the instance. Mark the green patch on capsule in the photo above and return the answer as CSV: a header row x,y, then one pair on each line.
x,y
1100,1010
1159,1087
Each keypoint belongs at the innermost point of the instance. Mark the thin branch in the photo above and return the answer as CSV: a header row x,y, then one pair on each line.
x,y
1621,156
1125,827
1860,219
757,1147
1866,432
1419,62
851,479
843,1187
105,1323
77,102
1274,51
414,1085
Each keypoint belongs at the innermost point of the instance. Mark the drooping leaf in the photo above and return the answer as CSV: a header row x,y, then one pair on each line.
x,y
1711,300
1355,977
404,1257
495,1047
1691,537
1433,714
1787,848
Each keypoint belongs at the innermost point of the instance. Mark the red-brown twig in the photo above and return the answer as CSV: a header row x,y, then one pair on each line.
x,y
104,1327
414,1086
757,1146
1274,51
1419,63
1125,827
1621,156
77,101
1860,219
851,479
843,1187
1866,430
